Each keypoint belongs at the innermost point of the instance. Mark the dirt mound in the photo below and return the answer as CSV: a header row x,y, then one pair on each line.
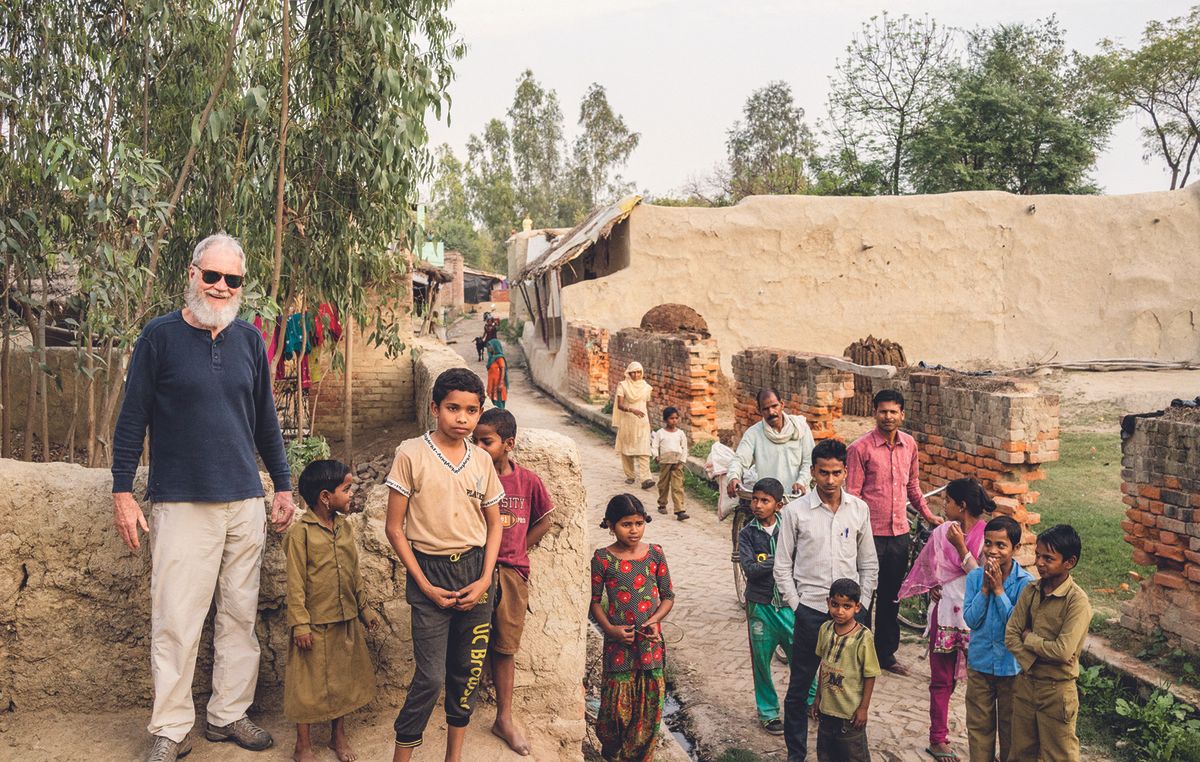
x,y
674,318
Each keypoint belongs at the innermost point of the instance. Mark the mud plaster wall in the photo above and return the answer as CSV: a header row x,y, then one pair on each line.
x,y
1160,478
681,368
75,606
807,387
962,278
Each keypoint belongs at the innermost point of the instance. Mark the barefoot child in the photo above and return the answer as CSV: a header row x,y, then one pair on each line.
x,y
847,678
443,521
634,578
523,511
1045,633
941,569
329,672
992,591
669,446
769,621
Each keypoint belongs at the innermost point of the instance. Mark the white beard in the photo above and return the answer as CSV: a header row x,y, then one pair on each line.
x,y
207,316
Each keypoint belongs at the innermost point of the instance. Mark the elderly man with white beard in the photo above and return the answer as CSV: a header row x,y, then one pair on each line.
x,y
200,381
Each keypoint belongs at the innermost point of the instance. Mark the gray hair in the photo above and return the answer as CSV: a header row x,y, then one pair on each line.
x,y
218,239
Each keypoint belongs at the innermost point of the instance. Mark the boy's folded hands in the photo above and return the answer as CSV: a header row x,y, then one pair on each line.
x,y
472,594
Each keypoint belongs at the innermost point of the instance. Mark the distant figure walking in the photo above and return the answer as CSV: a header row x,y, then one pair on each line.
x,y
497,377
630,417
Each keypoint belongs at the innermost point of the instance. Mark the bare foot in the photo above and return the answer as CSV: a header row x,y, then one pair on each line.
x,y
304,754
511,735
341,747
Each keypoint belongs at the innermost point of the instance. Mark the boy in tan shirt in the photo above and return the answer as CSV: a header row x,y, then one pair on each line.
x,y
443,521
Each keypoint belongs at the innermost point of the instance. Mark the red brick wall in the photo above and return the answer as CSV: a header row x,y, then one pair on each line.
x,y
1161,485
682,368
587,362
808,388
997,430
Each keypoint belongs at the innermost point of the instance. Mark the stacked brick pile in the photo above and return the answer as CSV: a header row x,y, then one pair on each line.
x,y
587,362
997,430
808,388
683,368
1161,484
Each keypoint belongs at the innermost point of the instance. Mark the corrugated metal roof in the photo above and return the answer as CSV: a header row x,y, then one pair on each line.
x,y
597,225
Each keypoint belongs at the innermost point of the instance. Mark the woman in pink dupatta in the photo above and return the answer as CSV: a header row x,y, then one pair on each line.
x,y
941,570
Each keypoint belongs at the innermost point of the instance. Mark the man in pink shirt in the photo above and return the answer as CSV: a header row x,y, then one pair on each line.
x,y
881,468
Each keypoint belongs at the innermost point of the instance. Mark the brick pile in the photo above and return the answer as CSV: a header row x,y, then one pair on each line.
x,y
683,368
997,430
1160,478
809,388
587,362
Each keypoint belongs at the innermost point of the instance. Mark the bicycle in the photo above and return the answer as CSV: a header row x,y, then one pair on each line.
x,y
914,610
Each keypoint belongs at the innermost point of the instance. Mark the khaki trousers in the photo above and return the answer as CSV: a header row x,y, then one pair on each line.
x,y
670,483
636,466
989,715
1043,720
198,549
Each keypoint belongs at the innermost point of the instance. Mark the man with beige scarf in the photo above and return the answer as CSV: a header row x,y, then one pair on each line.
x,y
779,446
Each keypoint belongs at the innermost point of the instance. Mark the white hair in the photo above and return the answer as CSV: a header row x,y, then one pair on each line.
x,y
218,239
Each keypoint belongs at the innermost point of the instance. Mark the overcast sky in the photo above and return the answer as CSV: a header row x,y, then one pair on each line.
x,y
679,71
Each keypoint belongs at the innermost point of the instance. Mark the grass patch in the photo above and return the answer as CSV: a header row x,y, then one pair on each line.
x,y
738,755
702,448
700,489
1083,489
1154,649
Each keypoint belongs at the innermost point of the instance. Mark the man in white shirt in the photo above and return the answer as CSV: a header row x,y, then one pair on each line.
x,y
779,446
823,536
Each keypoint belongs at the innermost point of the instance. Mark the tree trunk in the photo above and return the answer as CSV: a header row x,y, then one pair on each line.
x,y
5,371
43,377
190,157
348,388
281,177
91,400
116,367
301,359
30,406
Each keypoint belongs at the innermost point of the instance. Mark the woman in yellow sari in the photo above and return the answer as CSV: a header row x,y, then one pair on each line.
x,y
632,419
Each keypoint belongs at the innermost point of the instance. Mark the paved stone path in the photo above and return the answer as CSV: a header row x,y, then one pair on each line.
x,y
708,650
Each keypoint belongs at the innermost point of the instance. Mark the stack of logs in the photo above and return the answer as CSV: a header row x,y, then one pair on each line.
x,y
870,351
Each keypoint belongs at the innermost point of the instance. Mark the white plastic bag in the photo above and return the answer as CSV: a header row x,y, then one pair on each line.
x,y
719,458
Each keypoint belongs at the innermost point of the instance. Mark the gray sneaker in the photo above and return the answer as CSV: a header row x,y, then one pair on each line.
x,y
166,750
243,732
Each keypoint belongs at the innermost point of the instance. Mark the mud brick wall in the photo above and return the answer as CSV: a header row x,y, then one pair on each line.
x,y
683,369
808,388
1160,479
382,390
587,362
997,430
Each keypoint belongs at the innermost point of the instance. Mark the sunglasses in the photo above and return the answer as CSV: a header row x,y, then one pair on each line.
x,y
212,276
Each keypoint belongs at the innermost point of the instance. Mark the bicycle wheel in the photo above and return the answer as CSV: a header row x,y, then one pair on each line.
x,y
914,611
739,520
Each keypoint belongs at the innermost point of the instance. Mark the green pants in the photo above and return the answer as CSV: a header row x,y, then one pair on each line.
x,y
770,628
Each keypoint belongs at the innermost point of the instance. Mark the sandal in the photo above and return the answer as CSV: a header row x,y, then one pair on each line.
x,y
942,756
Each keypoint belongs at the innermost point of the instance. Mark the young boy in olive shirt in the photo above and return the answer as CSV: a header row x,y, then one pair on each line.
x,y
1045,633
847,678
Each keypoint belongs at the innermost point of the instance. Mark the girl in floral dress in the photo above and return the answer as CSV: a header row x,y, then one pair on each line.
x,y
632,578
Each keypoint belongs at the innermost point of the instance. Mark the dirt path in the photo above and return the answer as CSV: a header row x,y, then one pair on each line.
x,y
711,660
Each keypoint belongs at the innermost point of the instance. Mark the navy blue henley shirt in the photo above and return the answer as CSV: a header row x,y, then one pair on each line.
x,y
208,404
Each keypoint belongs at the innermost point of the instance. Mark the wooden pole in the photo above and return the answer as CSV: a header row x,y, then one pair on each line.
x,y
348,389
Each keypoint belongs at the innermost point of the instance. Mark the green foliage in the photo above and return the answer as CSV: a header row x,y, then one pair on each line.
x,y
608,408
1161,80
1159,729
1021,117
603,146
768,151
896,70
702,448
536,131
304,450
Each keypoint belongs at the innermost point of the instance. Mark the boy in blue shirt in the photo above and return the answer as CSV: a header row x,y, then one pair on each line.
x,y
992,591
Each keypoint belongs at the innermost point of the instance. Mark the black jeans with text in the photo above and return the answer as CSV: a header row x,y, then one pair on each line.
x,y
449,646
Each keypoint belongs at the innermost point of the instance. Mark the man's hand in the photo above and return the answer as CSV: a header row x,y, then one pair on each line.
x,y
470,595
934,519
859,720
799,489
128,519
282,510
304,642
731,487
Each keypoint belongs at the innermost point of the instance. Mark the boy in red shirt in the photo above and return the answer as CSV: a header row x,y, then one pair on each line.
x,y
525,505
